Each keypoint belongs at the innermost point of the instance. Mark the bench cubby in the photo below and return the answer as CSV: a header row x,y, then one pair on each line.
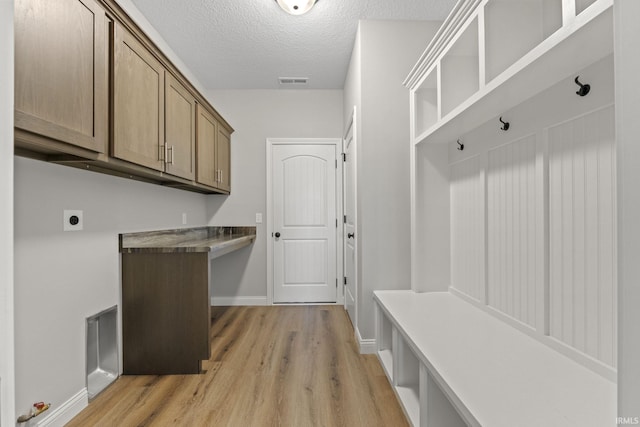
x,y
384,344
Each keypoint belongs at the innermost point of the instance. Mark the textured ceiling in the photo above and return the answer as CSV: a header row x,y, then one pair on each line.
x,y
248,44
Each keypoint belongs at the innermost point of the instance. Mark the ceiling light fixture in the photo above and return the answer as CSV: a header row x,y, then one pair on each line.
x,y
296,7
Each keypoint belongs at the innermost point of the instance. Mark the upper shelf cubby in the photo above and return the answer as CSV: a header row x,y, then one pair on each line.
x,y
459,69
491,55
514,27
425,101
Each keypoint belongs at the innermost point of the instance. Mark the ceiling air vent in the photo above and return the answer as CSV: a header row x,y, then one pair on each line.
x,y
292,82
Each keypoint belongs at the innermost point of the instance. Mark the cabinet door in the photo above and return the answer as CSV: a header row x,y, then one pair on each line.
x,y
223,160
207,131
61,71
138,103
180,119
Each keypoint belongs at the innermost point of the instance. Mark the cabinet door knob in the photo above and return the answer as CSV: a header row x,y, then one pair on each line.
x,y
277,234
351,235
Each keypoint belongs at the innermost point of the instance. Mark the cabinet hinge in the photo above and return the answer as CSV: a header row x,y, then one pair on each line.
x,y
336,282
345,280
336,222
336,164
344,157
344,219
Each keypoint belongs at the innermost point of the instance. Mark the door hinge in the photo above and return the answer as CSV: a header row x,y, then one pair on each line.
x,y
344,157
336,163
344,219
336,282
345,280
336,222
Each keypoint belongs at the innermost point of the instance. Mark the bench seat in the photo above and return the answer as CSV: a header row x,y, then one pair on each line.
x,y
491,373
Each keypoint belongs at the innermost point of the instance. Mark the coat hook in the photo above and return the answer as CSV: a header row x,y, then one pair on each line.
x,y
461,146
584,89
505,125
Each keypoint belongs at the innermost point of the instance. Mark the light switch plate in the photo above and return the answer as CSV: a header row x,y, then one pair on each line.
x,y
258,218
72,220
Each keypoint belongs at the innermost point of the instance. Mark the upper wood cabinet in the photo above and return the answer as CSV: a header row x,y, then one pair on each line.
x,y
61,71
154,114
213,151
223,159
180,135
207,131
93,91
138,103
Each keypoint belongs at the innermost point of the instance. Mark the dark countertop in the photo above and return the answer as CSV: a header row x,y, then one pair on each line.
x,y
217,241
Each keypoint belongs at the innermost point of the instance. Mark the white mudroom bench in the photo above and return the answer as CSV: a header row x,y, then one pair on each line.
x,y
451,363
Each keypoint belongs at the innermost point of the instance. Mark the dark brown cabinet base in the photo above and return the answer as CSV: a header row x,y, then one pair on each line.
x,y
166,313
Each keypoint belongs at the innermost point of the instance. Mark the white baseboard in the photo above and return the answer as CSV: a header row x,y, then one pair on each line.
x,y
226,301
61,415
367,346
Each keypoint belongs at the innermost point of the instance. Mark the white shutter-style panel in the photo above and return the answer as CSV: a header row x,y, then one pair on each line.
x,y
512,234
582,234
467,228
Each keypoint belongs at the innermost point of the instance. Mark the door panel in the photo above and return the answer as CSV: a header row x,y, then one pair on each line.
x,y
304,209
61,68
350,293
223,159
297,271
180,129
206,147
138,103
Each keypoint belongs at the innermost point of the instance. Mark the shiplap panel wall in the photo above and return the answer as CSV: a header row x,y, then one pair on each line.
x,y
467,228
512,234
582,227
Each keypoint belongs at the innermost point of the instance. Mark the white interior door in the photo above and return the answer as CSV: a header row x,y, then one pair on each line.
x,y
349,206
304,223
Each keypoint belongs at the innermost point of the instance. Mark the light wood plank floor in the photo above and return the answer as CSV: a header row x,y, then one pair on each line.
x,y
270,366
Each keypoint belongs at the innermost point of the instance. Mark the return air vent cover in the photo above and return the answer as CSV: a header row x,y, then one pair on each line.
x,y
292,82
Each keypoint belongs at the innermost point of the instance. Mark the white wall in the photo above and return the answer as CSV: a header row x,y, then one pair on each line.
x,y
7,414
388,50
257,115
626,37
61,278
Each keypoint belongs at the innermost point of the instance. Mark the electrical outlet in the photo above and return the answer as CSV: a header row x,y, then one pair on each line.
x,y
258,218
72,220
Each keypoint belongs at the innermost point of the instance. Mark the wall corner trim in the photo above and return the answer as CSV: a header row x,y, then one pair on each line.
x,y
367,346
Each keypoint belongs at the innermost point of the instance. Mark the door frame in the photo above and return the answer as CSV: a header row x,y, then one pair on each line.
x,y
351,126
337,143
